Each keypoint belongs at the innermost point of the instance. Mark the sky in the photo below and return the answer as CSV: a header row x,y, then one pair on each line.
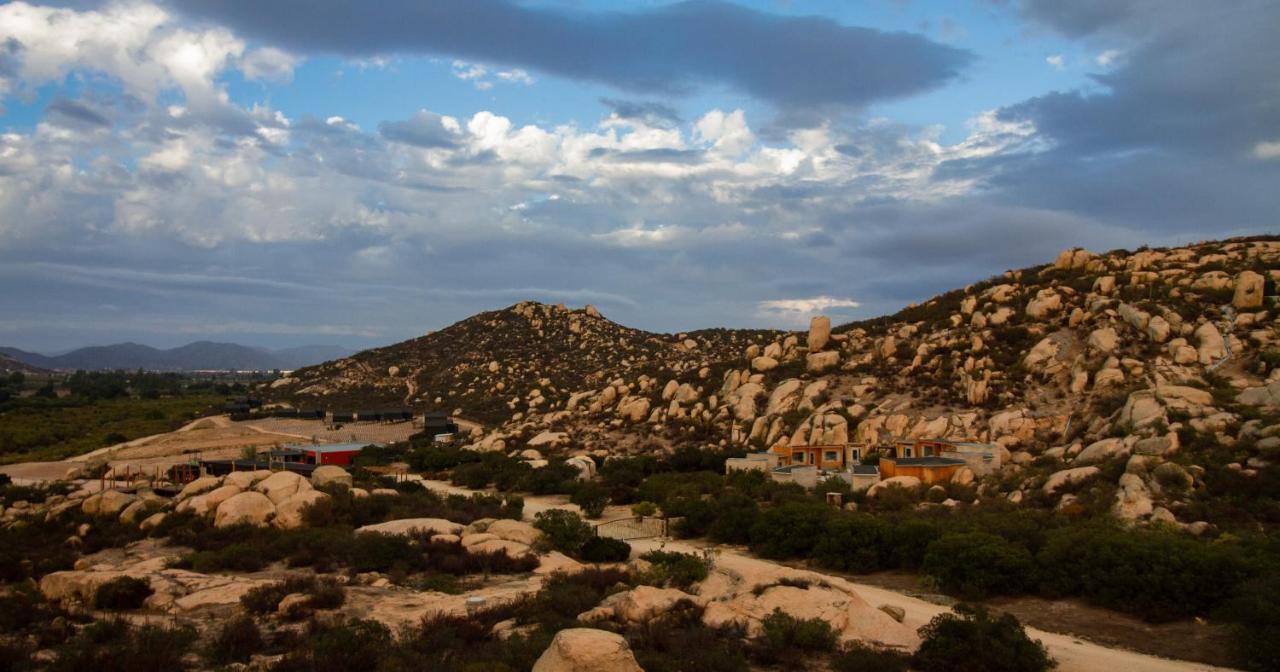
x,y
353,173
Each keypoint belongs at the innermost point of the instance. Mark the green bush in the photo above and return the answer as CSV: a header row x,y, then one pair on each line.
x,y
1255,611
860,657
784,637
125,593
1157,574
680,570
977,564
789,531
235,642
604,549
564,530
591,497
323,593
113,645
853,543
971,640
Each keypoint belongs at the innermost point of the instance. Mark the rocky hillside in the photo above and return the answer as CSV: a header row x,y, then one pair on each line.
x,y
527,358
1143,382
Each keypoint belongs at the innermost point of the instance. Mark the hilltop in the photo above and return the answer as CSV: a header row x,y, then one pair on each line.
x,y
529,355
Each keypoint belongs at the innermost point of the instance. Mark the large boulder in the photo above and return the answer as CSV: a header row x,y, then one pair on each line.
x,y
514,530
209,502
1211,346
1069,477
819,333
1249,291
908,482
817,362
1101,451
113,502
587,650
330,473
289,513
253,508
638,605
1046,301
1142,408
1266,395
415,526
1133,498
202,484
282,485
1104,340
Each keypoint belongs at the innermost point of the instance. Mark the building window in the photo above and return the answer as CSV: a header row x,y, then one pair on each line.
x,y
798,458
906,452
855,454
830,456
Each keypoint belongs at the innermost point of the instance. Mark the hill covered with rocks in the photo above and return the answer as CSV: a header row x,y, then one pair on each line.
x,y
1144,382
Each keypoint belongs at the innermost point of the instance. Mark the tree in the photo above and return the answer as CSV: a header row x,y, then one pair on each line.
x,y
591,497
565,531
971,640
977,564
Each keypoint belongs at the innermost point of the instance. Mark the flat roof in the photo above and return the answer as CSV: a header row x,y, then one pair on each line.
x,y
865,469
924,461
330,447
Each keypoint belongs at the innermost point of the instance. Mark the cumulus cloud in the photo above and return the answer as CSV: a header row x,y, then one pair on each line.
x,y
666,49
796,311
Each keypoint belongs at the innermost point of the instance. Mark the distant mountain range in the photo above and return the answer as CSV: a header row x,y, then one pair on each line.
x,y
198,356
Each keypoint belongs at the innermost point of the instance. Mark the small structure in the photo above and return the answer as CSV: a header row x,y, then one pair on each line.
x,y
927,469
982,458
343,416
863,476
340,454
436,423
765,462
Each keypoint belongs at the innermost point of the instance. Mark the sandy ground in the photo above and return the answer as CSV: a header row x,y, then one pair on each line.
x,y
1072,654
215,437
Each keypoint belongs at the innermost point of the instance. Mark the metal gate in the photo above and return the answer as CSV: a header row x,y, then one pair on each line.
x,y
633,527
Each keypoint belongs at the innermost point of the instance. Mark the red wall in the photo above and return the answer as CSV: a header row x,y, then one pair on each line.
x,y
339,458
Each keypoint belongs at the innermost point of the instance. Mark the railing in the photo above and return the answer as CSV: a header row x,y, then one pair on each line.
x,y
634,527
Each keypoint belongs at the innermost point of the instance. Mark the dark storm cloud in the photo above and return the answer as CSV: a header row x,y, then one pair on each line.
x,y
423,129
76,113
649,112
791,61
1166,141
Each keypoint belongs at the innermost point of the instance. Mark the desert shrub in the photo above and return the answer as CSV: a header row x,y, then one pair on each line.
x,y
678,641
234,557
323,593
977,564
694,515
113,645
735,515
852,543
604,549
564,530
591,497
644,509
971,640
680,570
790,530
345,647
122,594
908,539
784,637
235,642
1255,611
860,657
1156,574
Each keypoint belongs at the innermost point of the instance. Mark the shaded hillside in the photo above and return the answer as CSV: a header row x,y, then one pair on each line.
x,y
530,355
